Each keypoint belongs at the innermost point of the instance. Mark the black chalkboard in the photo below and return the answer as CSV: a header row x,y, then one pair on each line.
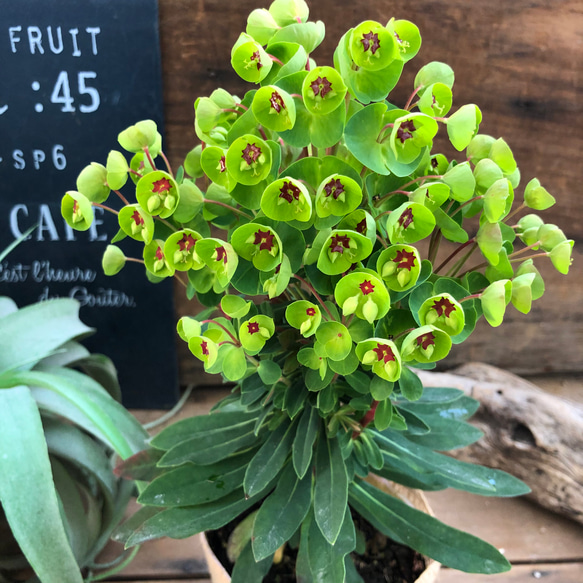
x,y
73,74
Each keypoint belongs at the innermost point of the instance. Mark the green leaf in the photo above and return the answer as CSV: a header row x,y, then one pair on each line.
x,y
32,333
426,534
410,385
270,458
190,484
35,521
281,513
269,371
331,489
247,569
303,445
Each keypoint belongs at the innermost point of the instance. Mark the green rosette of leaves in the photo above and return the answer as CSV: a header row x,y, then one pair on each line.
x,y
341,249
444,312
255,332
249,160
337,195
362,293
382,356
213,161
258,243
399,266
220,257
156,261
157,192
287,199
77,210
249,59
304,316
410,223
323,90
180,250
372,46
426,344
274,108
136,223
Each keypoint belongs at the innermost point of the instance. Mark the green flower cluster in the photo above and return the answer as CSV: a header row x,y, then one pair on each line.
x,y
325,291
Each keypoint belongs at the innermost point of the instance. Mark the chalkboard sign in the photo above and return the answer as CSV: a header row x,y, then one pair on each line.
x,y
74,73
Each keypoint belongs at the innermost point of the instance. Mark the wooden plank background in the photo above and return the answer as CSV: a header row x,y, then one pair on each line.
x,y
519,61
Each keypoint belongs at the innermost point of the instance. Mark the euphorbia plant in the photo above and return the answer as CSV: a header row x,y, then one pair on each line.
x,y
313,239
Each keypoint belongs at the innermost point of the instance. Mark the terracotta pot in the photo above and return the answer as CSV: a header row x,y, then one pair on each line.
x,y
413,497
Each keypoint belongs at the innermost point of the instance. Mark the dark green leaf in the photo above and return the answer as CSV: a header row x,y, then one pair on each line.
x,y
410,385
247,570
304,440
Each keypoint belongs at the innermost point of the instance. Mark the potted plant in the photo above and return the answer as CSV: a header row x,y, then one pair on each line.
x,y
60,424
313,241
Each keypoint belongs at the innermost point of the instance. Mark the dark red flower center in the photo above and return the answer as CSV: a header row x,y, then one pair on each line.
x,y
276,101
311,311
76,206
252,327
405,259
257,57
361,227
384,353
443,306
159,254
221,254
426,340
321,86
366,287
251,153
264,239
186,243
162,185
222,164
406,218
204,348
289,191
339,243
405,130
138,219
334,188
370,41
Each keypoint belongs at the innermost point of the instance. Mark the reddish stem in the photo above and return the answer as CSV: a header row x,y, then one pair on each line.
x,y
311,288
223,327
105,208
452,255
367,419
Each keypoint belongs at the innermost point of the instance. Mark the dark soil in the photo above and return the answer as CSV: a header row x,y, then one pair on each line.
x,y
384,560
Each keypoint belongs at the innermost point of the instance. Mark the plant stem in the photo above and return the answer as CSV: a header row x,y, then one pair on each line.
x,y
167,416
168,167
317,296
382,214
382,241
135,260
463,260
262,132
368,416
227,206
276,60
105,208
514,212
473,296
120,195
169,225
452,255
434,245
149,156
466,204
411,97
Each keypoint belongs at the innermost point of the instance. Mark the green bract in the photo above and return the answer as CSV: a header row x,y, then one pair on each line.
x,y
287,200
382,355
363,294
426,344
77,210
249,160
399,266
305,316
309,199
180,251
323,90
274,108
136,223
443,312
258,243
113,260
409,223
337,195
157,192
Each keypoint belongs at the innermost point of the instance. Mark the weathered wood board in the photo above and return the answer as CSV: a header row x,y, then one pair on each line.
x,y
520,62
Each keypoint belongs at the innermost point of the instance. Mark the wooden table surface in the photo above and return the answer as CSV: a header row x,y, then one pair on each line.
x,y
539,544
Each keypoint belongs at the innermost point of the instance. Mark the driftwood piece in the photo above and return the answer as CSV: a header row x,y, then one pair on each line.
x,y
535,436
